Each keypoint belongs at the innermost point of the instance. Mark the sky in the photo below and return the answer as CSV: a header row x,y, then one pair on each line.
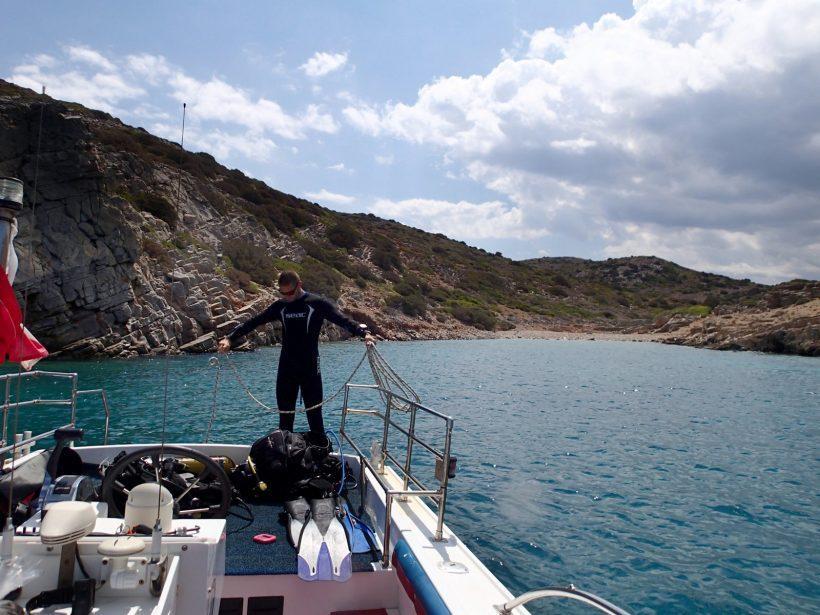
x,y
684,129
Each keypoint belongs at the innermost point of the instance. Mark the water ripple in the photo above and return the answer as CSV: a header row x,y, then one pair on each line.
x,y
666,479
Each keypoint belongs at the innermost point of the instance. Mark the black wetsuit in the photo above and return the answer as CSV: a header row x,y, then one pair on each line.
x,y
299,366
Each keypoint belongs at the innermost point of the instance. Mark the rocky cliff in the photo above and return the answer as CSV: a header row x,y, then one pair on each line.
x,y
130,245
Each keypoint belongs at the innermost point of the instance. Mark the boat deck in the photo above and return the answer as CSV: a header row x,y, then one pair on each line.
x,y
243,556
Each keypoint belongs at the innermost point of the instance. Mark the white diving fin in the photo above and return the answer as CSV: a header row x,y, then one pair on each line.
x,y
323,546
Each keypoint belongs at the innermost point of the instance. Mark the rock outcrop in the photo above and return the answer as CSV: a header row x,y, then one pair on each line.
x,y
794,330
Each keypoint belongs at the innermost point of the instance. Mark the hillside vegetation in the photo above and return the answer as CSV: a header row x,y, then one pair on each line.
x,y
229,234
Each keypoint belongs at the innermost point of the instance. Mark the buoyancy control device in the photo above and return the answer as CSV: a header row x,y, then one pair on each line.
x,y
284,464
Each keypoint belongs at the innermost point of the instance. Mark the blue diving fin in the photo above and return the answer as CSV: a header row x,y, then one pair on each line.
x,y
362,538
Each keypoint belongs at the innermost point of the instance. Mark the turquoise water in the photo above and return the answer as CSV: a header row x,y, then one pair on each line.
x,y
665,479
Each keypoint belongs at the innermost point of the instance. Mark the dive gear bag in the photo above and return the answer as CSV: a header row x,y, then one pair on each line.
x,y
281,464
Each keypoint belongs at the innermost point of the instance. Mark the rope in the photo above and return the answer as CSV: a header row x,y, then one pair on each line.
x,y
387,379
272,409
213,361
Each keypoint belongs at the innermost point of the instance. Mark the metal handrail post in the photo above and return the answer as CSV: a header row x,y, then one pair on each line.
x,y
444,479
107,416
106,408
6,412
344,408
362,485
385,433
410,439
388,520
73,398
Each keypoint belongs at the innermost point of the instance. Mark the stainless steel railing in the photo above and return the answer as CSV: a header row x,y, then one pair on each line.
x,y
404,469
70,400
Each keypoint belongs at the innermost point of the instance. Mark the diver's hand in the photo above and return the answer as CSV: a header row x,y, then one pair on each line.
x,y
370,340
224,345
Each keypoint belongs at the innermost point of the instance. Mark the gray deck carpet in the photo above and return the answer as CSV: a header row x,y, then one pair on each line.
x,y
243,556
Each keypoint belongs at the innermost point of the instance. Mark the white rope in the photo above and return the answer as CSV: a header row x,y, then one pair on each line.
x,y
387,379
213,361
314,407
384,376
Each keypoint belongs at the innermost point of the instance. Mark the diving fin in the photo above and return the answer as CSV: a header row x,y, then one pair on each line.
x,y
362,538
298,510
324,546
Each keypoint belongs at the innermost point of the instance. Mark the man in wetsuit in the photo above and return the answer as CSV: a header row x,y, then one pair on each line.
x,y
301,314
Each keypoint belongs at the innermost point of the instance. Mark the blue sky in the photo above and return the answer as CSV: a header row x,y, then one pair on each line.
x,y
677,128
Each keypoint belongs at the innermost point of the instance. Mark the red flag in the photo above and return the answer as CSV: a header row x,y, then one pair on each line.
x,y
16,342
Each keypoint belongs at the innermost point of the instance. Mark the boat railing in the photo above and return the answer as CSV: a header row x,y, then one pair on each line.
x,y
377,461
570,591
69,400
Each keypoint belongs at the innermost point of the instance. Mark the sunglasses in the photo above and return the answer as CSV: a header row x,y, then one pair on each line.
x,y
287,294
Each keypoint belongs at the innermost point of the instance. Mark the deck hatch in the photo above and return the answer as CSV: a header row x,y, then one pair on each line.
x,y
266,605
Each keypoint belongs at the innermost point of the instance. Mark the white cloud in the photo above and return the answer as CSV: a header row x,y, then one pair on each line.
x,y
220,101
338,167
323,63
150,67
573,145
99,89
223,119
365,119
222,144
325,196
43,60
690,120
150,112
385,160
317,119
461,220
89,56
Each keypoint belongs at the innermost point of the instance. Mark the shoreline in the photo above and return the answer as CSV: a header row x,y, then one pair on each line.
x,y
601,336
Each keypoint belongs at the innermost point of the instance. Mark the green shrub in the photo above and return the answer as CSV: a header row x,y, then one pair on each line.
x,y
385,255
321,279
414,305
329,256
282,265
363,272
439,294
252,260
344,235
410,285
693,310
241,279
473,315
157,251
183,240
561,280
214,198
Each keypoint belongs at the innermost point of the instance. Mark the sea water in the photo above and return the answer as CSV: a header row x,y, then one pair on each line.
x,y
664,479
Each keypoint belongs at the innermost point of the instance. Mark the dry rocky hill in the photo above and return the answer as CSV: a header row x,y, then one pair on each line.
x,y
139,247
